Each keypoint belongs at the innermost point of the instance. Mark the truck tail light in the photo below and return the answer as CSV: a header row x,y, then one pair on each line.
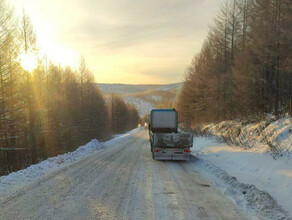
x,y
156,150
187,150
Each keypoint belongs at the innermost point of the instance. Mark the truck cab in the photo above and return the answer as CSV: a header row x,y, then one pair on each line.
x,y
166,142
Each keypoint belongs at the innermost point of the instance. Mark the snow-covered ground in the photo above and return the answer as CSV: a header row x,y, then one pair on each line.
x,y
247,176
155,98
123,182
248,166
257,154
134,89
141,105
18,181
268,135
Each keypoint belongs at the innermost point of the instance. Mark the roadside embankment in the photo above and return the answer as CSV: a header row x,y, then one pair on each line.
x,y
268,135
250,162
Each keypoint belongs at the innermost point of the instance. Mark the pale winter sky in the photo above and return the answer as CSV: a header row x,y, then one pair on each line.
x,y
123,41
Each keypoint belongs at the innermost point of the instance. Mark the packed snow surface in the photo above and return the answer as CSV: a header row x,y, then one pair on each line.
x,y
249,166
123,182
127,164
16,181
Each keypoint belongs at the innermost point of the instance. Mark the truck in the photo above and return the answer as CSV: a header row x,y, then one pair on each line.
x,y
166,141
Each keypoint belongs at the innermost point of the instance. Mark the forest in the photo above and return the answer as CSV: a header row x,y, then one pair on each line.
x,y
51,109
244,68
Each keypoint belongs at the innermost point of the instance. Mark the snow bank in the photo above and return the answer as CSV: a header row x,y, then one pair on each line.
x,y
267,135
16,182
36,170
264,180
247,198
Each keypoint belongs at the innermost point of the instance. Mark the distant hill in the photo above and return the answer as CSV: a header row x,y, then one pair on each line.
x,y
144,97
123,89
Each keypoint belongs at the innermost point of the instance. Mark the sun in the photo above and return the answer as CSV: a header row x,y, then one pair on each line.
x,y
28,62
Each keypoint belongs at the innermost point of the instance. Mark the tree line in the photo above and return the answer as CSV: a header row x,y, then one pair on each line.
x,y
244,69
123,116
52,109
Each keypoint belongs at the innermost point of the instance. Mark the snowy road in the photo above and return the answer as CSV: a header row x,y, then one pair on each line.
x,y
123,182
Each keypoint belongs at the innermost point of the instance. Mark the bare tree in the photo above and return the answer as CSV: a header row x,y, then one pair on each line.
x,y
28,35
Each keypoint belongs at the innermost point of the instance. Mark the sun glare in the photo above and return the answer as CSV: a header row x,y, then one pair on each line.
x,y
28,62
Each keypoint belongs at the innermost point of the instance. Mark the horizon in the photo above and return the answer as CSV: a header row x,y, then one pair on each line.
x,y
141,84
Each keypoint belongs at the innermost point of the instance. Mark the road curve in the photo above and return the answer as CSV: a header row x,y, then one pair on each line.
x,y
123,182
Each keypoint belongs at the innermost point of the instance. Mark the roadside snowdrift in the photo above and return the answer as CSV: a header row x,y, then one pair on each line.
x,y
247,197
16,182
247,176
247,159
264,136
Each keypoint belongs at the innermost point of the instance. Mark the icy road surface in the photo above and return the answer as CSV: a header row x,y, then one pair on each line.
x,y
123,182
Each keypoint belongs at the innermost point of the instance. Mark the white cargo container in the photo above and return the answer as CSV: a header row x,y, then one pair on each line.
x,y
164,118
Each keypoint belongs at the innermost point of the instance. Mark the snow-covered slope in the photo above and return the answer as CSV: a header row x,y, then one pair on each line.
x,y
250,168
258,154
122,89
269,135
144,97
141,105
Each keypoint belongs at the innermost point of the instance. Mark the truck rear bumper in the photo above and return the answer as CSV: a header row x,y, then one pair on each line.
x,y
171,157
171,154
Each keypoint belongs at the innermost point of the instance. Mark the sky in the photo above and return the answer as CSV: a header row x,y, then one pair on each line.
x,y
122,41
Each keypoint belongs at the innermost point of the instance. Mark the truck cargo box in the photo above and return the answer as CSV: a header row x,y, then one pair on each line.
x,y
163,121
